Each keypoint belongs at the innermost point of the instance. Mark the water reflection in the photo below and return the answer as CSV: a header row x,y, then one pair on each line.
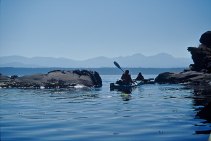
x,y
202,104
126,96
202,100
125,93
74,95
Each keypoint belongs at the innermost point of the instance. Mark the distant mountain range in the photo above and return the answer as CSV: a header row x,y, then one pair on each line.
x,y
161,60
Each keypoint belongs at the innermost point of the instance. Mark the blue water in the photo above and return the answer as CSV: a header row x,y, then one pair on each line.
x,y
151,112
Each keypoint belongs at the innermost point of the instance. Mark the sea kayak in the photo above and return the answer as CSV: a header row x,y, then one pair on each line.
x,y
123,87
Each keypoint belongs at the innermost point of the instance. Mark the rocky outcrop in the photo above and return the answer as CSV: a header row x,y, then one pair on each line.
x,y
201,57
53,79
198,73
188,77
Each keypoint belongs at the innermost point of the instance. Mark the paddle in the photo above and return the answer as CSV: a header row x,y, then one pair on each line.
x,y
118,66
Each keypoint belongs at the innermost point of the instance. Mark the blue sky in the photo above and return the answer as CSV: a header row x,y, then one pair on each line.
x,y
81,29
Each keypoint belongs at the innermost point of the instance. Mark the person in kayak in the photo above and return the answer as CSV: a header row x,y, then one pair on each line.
x,y
126,78
139,77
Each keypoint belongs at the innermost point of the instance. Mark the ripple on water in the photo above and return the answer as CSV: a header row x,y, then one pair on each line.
x,y
151,112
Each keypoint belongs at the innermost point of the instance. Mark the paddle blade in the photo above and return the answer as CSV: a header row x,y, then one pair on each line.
x,y
117,65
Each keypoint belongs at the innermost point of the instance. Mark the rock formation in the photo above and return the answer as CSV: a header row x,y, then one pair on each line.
x,y
186,77
201,57
198,73
53,79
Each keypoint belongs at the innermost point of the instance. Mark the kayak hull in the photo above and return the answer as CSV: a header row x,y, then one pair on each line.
x,y
124,88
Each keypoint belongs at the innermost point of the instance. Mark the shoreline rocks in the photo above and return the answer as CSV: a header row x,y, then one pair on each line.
x,y
198,73
53,79
188,77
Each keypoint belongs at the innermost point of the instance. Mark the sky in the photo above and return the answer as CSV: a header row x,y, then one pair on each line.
x,y
82,29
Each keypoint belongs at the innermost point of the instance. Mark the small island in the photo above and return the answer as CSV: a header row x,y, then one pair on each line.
x,y
53,79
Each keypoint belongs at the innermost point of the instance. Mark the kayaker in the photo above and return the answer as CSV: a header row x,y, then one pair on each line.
x,y
126,78
139,77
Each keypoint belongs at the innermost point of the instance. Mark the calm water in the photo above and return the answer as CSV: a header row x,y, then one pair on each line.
x,y
151,112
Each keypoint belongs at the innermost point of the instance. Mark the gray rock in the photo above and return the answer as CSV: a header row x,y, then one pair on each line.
x,y
166,77
4,78
55,79
188,77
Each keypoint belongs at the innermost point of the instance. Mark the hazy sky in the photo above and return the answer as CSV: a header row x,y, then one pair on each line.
x,y
81,29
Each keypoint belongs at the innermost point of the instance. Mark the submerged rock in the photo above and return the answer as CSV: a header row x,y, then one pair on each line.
x,y
54,79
